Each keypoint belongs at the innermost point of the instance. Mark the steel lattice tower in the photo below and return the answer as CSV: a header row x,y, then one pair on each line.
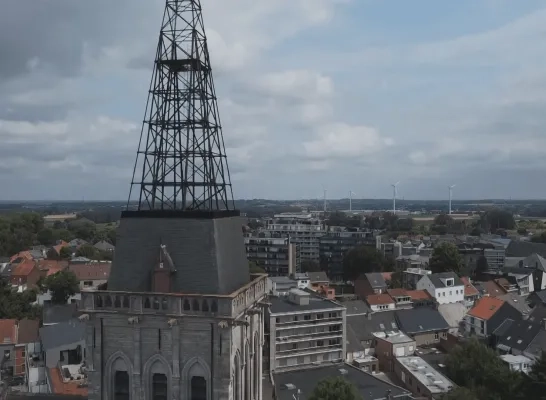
x,y
181,149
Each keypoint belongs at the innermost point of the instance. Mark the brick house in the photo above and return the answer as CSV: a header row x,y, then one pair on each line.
x,y
15,336
25,275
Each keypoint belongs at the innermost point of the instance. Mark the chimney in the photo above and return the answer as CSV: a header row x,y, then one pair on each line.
x,y
162,274
369,315
388,395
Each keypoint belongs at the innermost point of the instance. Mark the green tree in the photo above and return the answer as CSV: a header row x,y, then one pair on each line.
x,y
460,393
334,388
476,231
46,237
496,219
14,305
481,267
443,219
535,387
310,266
88,251
364,259
62,285
396,280
446,257
65,253
479,368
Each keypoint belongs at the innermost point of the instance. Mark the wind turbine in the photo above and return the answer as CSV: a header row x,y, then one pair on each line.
x,y
394,186
450,196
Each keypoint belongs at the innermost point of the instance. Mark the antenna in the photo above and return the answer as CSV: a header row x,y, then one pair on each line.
x,y
450,196
394,192
351,193
325,191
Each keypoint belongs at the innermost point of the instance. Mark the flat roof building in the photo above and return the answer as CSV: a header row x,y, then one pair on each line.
x,y
419,377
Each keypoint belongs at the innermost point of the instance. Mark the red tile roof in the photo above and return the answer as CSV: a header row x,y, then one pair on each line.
x,y
387,276
50,267
60,387
24,268
397,292
469,289
22,254
379,299
58,247
419,295
486,307
8,333
93,271
493,289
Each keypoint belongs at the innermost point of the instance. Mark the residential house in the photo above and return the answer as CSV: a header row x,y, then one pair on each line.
x,y
280,285
300,383
371,283
411,276
515,337
491,289
392,345
508,284
75,244
518,248
380,302
421,378
454,314
15,337
401,298
302,280
445,287
518,302
518,363
524,279
25,275
425,325
54,253
537,346
318,280
304,329
105,246
413,261
487,315
420,298
50,267
471,294
91,276
367,328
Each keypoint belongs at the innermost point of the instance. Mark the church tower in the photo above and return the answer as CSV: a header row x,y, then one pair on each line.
x,y
182,317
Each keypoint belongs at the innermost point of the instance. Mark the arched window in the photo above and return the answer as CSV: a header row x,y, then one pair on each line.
x,y
98,301
248,370
159,387
195,305
198,388
117,302
186,305
125,301
164,303
214,306
146,302
205,306
108,302
155,303
237,377
121,385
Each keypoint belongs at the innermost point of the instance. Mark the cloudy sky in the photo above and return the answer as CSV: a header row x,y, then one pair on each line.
x,y
345,94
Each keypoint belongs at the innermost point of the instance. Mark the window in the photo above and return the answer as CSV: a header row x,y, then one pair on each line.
x,y
436,336
277,320
7,354
307,317
198,388
320,343
159,387
295,317
23,353
294,346
121,385
320,316
87,283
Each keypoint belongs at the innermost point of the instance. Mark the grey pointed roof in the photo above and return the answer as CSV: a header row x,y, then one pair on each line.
x,y
376,280
419,320
436,279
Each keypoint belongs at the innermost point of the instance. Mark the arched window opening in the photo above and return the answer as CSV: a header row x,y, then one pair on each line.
x,y
214,306
121,385
256,367
186,305
108,302
205,306
247,376
147,303
156,303
237,378
98,301
164,304
198,388
117,302
159,387
125,301
195,305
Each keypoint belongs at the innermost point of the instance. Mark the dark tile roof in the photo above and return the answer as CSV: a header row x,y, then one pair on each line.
x,y
281,304
541,294
369,387
420,320
64,333
502,328
518,248
519,335
105,246
518,302
537,345
28,331
538,314
436,279
318,277
364,326
355,307
56,313
376,280
353,341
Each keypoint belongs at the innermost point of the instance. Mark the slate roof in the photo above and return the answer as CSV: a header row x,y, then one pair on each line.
x,y
281,304
364,326
356,307
541,294
353,341
503,328
537,345
368,386
105,246
436,279
519,335
538,314
517,248
420,320
517,302
376,280
486,307
61,334
57,313
535,261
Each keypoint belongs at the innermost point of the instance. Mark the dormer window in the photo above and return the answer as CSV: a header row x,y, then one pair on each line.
x,y
450,282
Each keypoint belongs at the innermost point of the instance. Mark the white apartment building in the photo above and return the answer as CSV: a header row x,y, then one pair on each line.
x,y
302,228
445,287
303,330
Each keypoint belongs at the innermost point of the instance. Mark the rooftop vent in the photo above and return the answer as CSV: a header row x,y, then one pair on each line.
x,y
289,386
343,371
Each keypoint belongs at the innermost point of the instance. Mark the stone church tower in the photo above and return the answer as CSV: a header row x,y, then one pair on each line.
x,y
181,317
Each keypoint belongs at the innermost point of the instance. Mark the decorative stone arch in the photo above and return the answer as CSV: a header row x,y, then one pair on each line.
x,y
196,367
156,364
236,376
117,362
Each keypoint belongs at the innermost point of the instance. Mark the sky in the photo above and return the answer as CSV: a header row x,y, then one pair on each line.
x,y
341,95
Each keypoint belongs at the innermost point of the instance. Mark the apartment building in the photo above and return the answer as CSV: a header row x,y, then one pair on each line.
x,y
302,228
278,256
334,246
304,329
